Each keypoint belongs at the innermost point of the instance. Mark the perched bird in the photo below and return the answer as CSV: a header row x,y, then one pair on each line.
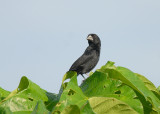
x,y
90,57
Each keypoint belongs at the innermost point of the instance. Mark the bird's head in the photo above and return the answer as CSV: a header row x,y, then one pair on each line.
x,y
94,40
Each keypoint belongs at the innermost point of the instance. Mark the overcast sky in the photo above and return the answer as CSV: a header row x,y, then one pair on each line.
x,y
42,38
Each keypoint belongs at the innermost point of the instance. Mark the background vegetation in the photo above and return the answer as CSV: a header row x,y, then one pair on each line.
x,y
109,89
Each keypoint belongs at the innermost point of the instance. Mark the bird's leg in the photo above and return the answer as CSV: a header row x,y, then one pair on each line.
x,y
83,76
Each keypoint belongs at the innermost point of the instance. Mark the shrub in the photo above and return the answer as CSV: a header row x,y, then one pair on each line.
x,y
110,89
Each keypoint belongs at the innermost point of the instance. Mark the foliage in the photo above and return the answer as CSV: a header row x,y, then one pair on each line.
x,y
110,89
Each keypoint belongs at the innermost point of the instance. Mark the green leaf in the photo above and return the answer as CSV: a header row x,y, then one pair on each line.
x,y
68,75
19,104
52,100
86,109
22,112
109,64
40,108
100,85
3,94
5,110
32,90
90,73
138,85
147,106
104,105
71,109
72,95
14,92
149,85
132,80
25,97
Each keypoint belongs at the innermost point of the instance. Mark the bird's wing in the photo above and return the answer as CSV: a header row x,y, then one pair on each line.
x,y
81,61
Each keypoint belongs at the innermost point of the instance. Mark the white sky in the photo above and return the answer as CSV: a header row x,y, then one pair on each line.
x,y
42,38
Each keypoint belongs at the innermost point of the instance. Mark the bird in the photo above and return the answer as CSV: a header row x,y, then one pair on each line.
x,y
89,59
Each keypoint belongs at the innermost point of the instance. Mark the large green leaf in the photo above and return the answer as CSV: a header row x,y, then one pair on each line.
x,y
71,109
68,75
5,110
147,107
19,103
3,94
32,90
87,109
104,105
52,100
137,84
25,97
149,85
72,95
40,108
132,80
99,84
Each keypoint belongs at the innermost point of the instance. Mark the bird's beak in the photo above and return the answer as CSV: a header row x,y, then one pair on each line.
x,y
90,38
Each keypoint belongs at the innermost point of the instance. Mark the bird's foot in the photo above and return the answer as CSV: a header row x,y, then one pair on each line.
x,y
83,76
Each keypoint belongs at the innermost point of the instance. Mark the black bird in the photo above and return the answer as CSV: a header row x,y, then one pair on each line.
x,y
90,57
